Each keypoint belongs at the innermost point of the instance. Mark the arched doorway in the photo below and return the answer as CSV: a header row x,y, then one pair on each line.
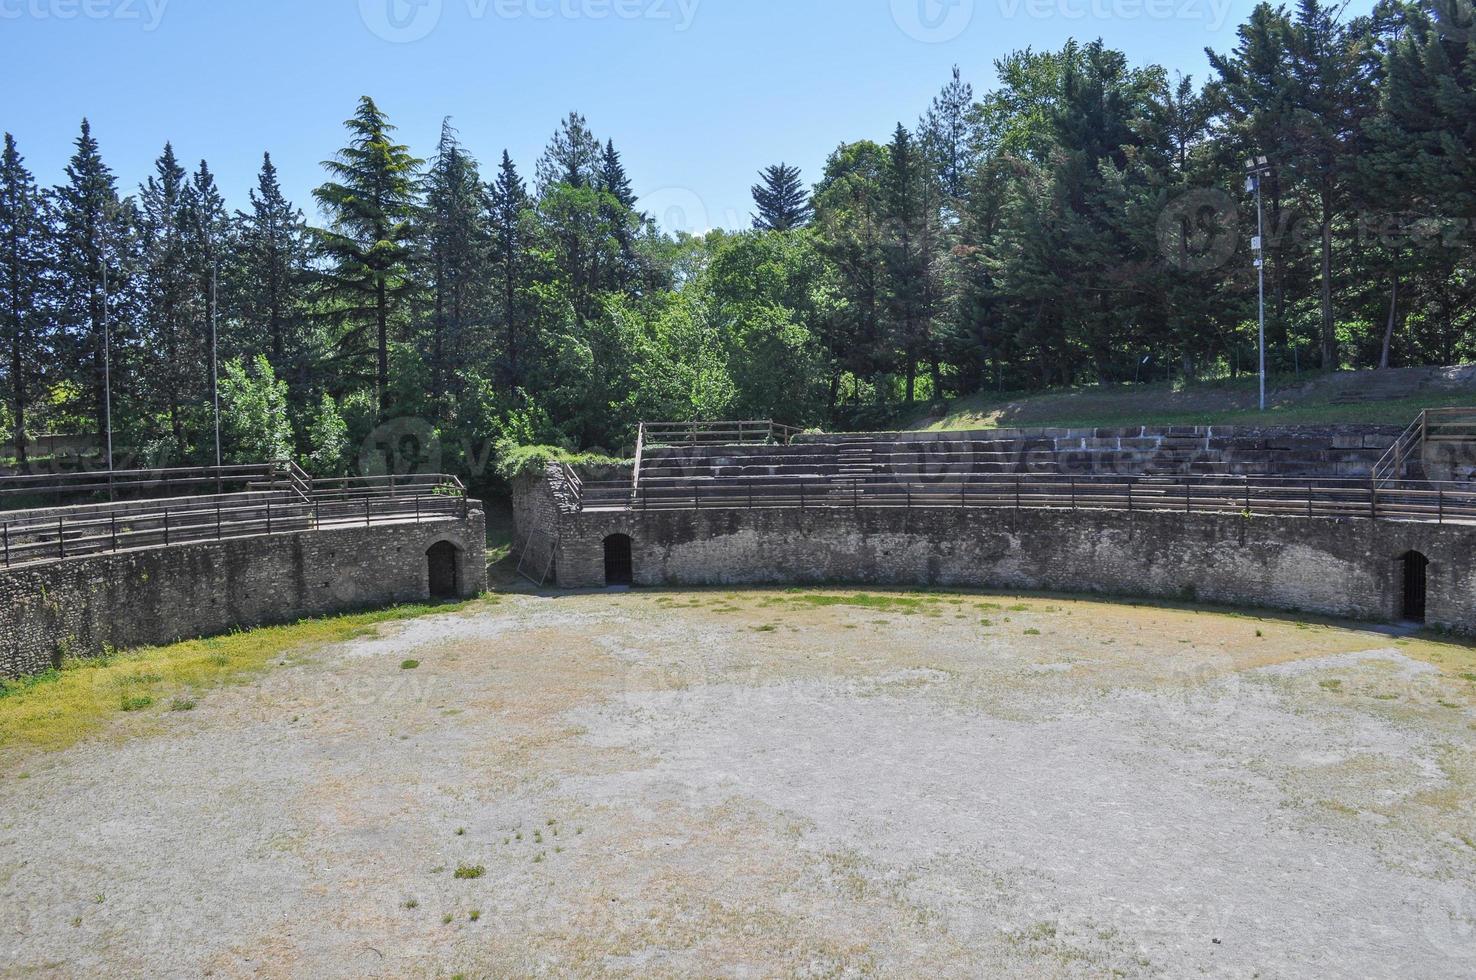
x,y
1416,586
443,559
619,563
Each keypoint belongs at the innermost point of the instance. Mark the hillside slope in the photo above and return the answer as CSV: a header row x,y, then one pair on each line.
x,y
1383,397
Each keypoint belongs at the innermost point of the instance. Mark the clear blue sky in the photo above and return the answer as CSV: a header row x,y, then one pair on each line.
x,y
698,94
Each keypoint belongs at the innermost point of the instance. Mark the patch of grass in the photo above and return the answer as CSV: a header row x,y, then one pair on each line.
x,y
766,628
411,903
1216,402
469,872
1032,632
1334,686
410,665
183,704
57,709
474,915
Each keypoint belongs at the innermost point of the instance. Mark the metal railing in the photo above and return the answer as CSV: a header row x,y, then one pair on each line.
x,y
293,504
745,433
1249,496
1437,425
104,485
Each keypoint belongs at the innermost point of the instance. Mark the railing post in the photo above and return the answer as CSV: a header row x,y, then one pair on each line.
x,y
1188,498
1440,502
1073,493
7,545
61,539
166,527
113,531
1310,488
1247,494
367,519
269,517
417,508
802,496
1017,492
1373,500
317,518
219,531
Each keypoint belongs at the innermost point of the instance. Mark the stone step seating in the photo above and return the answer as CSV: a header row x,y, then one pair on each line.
x,y
905,458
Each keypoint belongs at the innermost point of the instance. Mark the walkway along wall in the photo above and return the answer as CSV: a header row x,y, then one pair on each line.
x,y
80,607
1337,567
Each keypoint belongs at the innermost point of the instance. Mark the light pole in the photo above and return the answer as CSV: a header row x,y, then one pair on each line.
x,y
107,364
214,358
1257,170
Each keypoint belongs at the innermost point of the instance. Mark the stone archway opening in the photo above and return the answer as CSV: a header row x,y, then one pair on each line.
x,y
619,560
1416,587
444,564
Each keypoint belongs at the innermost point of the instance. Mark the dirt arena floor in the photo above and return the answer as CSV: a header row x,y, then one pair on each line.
x,y
758,784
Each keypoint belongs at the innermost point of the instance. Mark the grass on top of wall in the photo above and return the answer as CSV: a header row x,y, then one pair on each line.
x,y
59,708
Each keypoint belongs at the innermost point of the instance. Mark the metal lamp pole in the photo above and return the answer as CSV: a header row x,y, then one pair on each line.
x,y
1256,170
107,364
214,357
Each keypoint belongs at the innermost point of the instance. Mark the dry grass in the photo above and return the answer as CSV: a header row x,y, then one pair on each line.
x,y
59,708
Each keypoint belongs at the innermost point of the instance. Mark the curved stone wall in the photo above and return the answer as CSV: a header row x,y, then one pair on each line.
x,y
1345,568
82,606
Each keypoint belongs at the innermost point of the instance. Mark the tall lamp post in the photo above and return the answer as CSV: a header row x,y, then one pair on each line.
x,y
107,371
215,359
1257,170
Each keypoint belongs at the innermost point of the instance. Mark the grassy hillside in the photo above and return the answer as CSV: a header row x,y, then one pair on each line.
x,y
1386,397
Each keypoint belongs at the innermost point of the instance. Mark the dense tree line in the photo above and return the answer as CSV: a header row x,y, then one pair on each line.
x,y
1086,220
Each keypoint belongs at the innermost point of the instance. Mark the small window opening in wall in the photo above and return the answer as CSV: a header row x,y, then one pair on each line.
x,y
619,564
1416,586
442,559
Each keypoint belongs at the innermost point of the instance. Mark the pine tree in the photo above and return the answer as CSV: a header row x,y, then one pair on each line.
x,y
170,298
909,259
23,257
95,253
619,213
947,136
456,247
269,271
572,159
613,178
783,203
508,205
371,205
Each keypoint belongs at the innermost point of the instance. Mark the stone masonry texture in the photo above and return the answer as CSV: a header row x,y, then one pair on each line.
x,y
84,606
